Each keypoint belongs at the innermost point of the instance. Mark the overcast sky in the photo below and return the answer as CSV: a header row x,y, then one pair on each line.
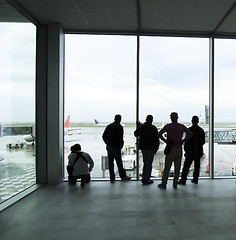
x,y
101,72
100,77
174,73
17,72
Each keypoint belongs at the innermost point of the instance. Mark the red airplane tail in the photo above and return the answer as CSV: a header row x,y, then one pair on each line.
x,y
67,123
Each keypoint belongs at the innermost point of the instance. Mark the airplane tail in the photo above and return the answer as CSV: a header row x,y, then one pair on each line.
x,y
67,123
96,122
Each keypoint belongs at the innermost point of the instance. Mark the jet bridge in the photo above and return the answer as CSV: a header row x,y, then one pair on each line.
x,y
16,130
223,136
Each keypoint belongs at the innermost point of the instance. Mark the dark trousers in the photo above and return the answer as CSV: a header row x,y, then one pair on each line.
x,y
148,156
114,153
72,179
187,163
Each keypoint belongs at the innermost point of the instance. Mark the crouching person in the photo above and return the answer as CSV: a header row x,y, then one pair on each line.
x,y
79,166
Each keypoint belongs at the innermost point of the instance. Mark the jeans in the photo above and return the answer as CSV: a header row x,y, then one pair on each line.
x,y
148,156
114,153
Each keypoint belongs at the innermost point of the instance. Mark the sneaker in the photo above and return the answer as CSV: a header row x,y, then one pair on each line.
x,y
126,178
181,182
112,180
149,182
194,181
161,186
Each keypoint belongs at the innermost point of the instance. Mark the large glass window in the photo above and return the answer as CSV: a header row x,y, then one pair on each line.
x,y
225,117
17,104
174,78
100,81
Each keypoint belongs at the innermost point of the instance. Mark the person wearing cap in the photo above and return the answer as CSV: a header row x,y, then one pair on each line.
x,y
113,138
175,138
193,152
148,143
79,166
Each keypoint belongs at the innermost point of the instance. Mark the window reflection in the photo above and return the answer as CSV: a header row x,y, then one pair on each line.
x,y
17,99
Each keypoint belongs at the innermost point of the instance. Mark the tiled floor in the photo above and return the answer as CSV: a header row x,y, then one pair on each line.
x,y
22,177
124,210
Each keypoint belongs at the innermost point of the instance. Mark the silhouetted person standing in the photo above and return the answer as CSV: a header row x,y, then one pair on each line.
x,y
148,144
113,137
193,152
175,140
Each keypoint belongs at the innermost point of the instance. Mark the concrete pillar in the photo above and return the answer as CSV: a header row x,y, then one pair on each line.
x,y
49,103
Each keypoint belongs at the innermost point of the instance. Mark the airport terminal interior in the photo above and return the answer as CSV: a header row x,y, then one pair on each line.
x,y
125,210
55,54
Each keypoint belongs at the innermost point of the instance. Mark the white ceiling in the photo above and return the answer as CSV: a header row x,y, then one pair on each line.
x,y
145,17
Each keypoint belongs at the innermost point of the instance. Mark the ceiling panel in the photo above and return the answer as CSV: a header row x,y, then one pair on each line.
x,y
171,17
68,15
9,13
44,16
189,15
229,25
59,4
90,5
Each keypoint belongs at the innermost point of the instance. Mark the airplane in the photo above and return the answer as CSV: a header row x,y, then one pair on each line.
x,y
71,134
103,124
67,125
67,122
67,128
30,138
100,124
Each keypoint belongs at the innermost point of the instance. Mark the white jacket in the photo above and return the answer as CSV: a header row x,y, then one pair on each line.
x,y
81,167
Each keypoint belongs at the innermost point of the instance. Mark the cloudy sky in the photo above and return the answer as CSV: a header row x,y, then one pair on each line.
x,y
101,71
17,72
100,77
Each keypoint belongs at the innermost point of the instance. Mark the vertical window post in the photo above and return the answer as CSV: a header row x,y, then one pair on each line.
x,y
211,107
137,107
